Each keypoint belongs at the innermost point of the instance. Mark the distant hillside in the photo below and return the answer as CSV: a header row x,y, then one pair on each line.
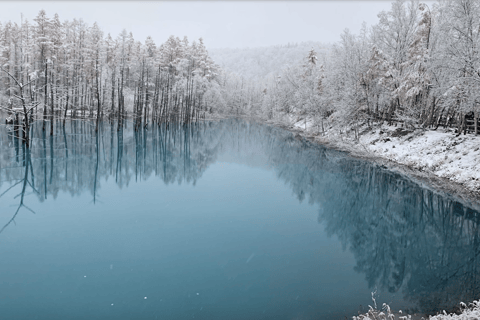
x,y
261,62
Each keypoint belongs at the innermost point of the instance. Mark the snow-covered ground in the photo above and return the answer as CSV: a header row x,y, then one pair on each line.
x,y
471,312
440,152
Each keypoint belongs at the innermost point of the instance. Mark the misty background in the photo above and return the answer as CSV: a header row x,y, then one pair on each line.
x,y
230,24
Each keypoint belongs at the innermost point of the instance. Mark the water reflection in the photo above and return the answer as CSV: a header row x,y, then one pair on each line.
x,y
405,238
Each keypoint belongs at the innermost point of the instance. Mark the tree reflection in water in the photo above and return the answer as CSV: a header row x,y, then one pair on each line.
x,y
405,238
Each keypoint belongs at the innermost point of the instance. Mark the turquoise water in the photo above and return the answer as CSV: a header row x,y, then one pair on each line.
x,y
219,220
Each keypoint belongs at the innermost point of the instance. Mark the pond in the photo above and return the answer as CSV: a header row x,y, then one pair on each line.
x,y
219,220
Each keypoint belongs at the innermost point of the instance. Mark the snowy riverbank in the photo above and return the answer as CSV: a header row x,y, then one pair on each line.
x,y
434,158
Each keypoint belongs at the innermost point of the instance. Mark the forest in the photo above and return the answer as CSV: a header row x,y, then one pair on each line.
x,y
53,70
418,67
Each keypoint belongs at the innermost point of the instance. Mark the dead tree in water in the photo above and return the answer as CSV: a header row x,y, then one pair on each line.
x,y
45,97
27,110
97,93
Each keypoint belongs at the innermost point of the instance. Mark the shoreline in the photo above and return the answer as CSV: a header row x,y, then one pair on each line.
x,y
422,176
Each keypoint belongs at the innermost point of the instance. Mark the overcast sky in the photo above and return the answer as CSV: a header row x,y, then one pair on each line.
x,y
221,24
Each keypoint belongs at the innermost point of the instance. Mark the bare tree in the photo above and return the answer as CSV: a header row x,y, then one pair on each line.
x,y
27,110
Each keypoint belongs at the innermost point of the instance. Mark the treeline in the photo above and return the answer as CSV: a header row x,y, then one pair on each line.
x,y
419,66
53,70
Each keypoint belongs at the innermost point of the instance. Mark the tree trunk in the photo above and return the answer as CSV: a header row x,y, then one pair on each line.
x,y
45,97
475,119
52,111
98,96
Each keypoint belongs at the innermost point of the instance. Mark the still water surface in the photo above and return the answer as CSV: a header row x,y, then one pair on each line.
x,y
219,220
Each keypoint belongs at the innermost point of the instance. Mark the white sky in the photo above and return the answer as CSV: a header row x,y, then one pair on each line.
x,y
221,24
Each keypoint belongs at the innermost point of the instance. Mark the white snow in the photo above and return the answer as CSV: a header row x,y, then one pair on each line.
x,y
439,152
469,313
